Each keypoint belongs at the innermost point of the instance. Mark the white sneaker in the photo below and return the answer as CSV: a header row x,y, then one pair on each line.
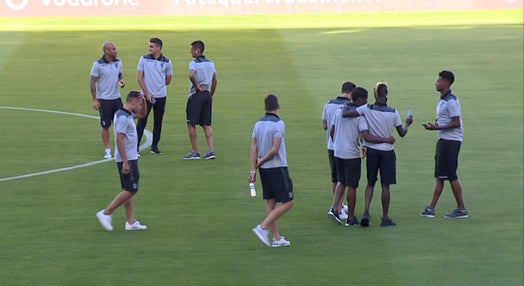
x,y
105,220
108,154
262,234
281,242
344,208
135,226
343,215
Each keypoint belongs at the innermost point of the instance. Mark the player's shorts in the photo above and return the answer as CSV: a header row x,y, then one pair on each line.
x,y
129,182
276,184
332,166
446,159
107,110
383,161
348,171
199,108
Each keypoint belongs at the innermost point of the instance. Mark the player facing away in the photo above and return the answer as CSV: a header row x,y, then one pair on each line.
x,y
381,119
327,117
268,155
203,83
126,157
106,77
346,134
450,134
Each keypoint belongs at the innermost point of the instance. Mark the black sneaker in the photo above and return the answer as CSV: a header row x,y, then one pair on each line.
x,y
387,222
365,219
428,212
155,150
350,222
457,213
333,215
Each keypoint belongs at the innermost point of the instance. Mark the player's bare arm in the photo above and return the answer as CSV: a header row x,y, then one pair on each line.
x,y
92,87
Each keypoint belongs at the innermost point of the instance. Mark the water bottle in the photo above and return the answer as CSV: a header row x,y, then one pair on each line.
x,y
409,113
153,100
252,189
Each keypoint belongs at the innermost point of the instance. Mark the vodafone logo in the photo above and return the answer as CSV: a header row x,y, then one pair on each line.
x,y
21,4
16,4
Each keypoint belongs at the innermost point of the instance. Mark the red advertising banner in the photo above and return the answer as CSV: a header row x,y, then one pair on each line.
x,y
79,8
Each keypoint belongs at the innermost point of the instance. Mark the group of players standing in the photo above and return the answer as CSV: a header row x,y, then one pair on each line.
x,y
354,127
154,74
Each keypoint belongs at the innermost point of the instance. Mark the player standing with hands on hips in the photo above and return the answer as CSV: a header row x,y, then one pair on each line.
x,y
155,72
203,82
450,134
268,155
106,77
126,157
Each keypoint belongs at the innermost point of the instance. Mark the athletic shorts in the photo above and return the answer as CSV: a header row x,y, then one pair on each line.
x,y
332,166
129,182
107,110
446,159
276,184
383,161
348,171
199,108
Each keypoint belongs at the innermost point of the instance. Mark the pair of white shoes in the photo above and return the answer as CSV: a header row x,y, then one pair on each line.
x,y
106,222
263,236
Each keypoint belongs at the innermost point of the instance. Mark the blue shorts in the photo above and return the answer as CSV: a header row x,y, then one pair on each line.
x,y
276,184
129,182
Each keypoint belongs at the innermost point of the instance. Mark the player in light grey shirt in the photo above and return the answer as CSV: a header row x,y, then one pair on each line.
x,y
106,77
127,162
450,134
268,155
154,74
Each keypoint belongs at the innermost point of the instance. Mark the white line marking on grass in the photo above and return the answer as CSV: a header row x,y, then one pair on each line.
x,y
147,133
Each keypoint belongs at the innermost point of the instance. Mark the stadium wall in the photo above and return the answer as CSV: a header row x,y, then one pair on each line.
x,y
79,8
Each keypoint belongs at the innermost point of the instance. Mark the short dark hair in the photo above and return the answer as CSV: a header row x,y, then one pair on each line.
x,y
359,92
381,89
347,87
132,95
156,41
271,102
447,75
198,45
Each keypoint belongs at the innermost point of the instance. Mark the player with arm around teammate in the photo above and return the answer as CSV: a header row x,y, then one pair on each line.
x,y
327,117
381,119
346,133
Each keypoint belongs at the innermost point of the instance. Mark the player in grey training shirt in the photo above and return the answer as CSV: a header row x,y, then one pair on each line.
x,y
203,83
126,157
450,134
268,155
154,74
327,117
106,77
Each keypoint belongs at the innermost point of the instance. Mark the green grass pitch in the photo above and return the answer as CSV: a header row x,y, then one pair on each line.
x,y
200,213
